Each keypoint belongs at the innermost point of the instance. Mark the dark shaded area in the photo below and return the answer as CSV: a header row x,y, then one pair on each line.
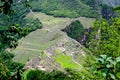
x,y
85,37
107,12
74,30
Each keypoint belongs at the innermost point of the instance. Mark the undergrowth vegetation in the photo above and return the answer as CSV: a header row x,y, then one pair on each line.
x,y
42,75
11,30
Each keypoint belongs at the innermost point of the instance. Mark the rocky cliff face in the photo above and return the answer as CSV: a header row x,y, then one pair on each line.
x,y
107,12
107,8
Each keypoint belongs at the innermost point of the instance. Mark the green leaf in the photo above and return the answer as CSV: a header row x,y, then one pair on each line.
x,y
112,62
104,74
100,60
108,65
112,76
118,59
118,75
103,56
117,8
109,59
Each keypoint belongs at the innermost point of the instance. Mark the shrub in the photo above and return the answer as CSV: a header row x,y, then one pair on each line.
x,y
107,67
42,75
75,29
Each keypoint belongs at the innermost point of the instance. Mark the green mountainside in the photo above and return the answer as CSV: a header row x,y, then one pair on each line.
x,y
59,40
64,8
50,47
75,8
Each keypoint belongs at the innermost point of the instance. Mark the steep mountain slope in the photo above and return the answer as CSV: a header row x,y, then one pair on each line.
x,y
50,42
49,48
74,8
63,8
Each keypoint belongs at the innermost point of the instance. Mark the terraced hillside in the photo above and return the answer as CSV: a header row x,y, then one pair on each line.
x,y
50,42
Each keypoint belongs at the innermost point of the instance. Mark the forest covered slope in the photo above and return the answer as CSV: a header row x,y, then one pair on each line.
x,y
64,8
75,8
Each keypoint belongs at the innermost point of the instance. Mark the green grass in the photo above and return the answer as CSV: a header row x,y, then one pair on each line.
x,y
66,61
86,22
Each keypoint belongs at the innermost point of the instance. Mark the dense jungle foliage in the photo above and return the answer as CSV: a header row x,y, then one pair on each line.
x,y
75,29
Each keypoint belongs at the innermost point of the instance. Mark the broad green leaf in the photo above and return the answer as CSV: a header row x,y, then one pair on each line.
x,y
108,66
109,58
100,60
118,59
112,62
103,56
104,74
112,76
118,75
